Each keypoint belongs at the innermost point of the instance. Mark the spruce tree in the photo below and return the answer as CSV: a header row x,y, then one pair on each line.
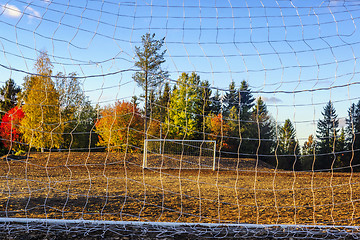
x,y
264,132
9,98
204,96
247,125
215,103
326,133
233,141
246,101
353,135
164,103
308,153
231,99
288,149
340,148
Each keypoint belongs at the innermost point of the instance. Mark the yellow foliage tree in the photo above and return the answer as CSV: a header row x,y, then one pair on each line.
x,y
42,125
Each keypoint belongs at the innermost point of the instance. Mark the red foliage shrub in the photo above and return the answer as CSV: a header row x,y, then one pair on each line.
x,y
10,126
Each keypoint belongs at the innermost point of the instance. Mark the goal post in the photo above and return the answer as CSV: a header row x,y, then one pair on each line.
x,y
179,154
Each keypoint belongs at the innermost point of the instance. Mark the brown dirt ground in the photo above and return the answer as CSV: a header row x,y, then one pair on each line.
x,y
114,186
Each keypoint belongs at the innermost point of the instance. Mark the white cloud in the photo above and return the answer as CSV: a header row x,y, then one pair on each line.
x,y
271,100
336,2
32,13
342,122
10,11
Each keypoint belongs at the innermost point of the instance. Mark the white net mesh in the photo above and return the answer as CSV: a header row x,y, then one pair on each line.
x,y
274,83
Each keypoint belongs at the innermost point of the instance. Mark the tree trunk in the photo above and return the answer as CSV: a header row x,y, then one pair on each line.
x,y
146,103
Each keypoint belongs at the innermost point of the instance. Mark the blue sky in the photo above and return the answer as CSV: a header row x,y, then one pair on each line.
x,y
284,49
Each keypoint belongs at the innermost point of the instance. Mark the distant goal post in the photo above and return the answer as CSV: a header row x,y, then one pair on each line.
x,y
179,154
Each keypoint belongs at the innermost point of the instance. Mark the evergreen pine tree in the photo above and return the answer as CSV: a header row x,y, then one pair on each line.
x,y
353,135
340,148
164,103
308,153
326,133
164,100
264,131
247,125
233,140
288,149
246,101
215,103
154,110
8,99
231,99
204,96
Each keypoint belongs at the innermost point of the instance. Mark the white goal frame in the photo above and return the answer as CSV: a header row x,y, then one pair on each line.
x,y
146,141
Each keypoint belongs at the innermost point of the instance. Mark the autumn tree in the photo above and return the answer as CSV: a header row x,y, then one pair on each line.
x,y
42,124
119,127
10,128
149,59
185,107
326,133
9,98
288,149
219,131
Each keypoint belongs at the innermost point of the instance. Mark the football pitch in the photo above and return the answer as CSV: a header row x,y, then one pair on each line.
x,y
114,186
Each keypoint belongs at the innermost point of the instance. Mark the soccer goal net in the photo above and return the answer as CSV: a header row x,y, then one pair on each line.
x,y
179,154
211,118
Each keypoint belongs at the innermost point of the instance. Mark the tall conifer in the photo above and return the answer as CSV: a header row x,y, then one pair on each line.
x,y
326,133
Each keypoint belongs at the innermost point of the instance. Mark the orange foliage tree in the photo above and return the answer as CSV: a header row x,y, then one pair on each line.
x,y
120,127
9,127
219,129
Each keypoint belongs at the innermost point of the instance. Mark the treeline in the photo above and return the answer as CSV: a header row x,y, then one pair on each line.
x,y
51,111
243,127
46,112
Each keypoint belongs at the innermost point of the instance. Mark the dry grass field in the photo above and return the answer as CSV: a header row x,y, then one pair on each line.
x,y
113,186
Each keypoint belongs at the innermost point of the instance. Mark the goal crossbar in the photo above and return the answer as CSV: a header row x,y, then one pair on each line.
x,y
80,228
